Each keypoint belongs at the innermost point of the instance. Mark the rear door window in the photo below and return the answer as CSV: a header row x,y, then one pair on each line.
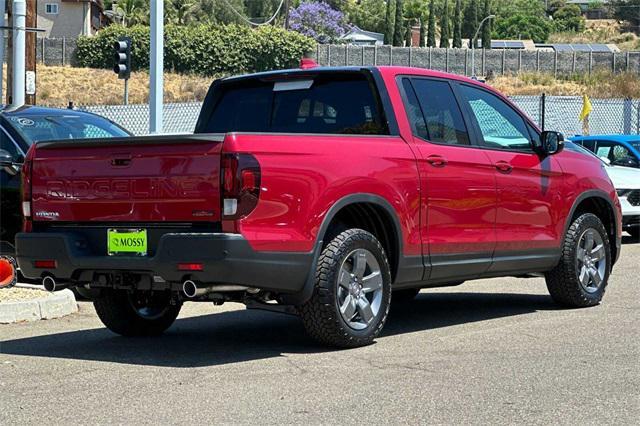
x,y
330,103
435,112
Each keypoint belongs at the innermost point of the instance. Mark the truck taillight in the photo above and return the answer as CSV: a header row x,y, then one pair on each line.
x,y
240,176
27,167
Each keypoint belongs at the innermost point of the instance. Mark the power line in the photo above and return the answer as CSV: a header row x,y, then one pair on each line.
x,y
250,22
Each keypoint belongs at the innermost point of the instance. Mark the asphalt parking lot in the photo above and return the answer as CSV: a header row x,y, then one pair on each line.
x,y
491,351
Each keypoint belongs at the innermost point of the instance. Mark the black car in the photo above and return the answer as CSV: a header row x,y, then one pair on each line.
x,y
19,129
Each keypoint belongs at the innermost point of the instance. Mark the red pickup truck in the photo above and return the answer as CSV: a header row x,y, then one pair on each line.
x,y
320,192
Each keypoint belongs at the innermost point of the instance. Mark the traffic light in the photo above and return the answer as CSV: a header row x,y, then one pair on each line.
x,y
122,58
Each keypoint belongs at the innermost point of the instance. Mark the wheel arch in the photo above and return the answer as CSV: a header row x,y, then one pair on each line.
x,y
352,205
600,204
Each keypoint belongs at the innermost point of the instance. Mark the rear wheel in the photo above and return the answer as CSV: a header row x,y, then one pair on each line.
x,y
136,313
581,277
350,302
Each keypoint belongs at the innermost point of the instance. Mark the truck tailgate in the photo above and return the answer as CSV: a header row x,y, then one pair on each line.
x,y
140,179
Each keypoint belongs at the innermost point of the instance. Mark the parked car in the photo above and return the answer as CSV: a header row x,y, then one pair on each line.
x,y
19,129
619,150
627,183
318,192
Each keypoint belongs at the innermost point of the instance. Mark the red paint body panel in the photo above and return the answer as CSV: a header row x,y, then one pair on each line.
x,y
138,183
465,207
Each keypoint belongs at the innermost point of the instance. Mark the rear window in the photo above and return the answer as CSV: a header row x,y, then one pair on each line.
x,y
36,128
343,103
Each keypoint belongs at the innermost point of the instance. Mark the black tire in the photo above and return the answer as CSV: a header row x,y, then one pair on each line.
x,y
563,281
123,312
321,315
405,295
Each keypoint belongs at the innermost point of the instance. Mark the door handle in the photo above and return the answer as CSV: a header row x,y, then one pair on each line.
x,y
437,161
504,167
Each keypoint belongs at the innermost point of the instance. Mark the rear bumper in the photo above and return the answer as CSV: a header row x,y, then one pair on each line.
x,y
226,259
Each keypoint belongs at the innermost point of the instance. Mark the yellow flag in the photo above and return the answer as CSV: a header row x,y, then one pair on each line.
x,y
586,107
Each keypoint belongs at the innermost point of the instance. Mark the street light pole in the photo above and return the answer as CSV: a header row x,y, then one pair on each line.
x,y
473,45
156,66
19,36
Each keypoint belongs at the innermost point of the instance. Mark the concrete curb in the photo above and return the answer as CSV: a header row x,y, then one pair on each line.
x,y
57,305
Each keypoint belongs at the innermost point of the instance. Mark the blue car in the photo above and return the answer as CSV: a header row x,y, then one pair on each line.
x,y
619,150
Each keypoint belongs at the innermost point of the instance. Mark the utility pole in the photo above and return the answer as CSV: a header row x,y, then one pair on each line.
x,y
287,5
31,38
19,39
3,9
156,66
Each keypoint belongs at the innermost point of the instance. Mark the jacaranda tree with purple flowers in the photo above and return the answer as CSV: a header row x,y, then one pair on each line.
x,y
316,19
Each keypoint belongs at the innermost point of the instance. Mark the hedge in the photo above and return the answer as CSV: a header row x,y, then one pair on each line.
x,y
201,49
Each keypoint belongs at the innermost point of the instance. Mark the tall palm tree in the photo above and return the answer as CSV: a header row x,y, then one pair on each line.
x,y
133,11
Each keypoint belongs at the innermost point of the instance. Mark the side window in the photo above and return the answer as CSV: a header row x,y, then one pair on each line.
x,y
603,149
441,113
589,144
619,152
413,111
8,145
501,126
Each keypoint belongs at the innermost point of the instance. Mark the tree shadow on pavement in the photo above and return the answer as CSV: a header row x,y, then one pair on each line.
x,y
238,336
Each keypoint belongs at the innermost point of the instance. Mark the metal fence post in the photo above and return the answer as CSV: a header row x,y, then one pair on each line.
x,y
390,55
627,62
537,60
363,55
43,49
318,53
555,64
590,61
573,63
375,55
466,60
626,117
613,62
328,55
430,49
346,55
64,49
504,57
410,53
446,60
543,106
484,68
519,61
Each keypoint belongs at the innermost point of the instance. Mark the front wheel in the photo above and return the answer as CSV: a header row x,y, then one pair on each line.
x,y
350,302
136,313
581,277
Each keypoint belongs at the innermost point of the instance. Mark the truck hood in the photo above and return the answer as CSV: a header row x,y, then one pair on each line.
x,y
624,177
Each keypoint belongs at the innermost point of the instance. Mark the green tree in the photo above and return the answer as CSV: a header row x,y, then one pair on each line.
x,y
423,33
133,12
457,25
486,28
398,30
367,14
569,18
408,34
431,26
555,5
388,35
470,22
524,27
445,25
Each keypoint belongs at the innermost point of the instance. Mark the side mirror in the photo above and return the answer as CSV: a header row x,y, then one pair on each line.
x,y
7,163
552,142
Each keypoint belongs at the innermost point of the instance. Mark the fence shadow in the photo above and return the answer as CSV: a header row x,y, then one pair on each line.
x,y
238,336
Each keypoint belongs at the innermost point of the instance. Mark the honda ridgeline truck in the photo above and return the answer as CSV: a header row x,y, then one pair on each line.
x,y
326,192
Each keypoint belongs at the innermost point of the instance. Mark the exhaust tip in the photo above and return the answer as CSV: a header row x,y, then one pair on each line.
x,y
49,283
189,289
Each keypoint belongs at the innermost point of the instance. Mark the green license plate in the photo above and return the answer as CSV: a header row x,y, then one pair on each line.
x,y
127,242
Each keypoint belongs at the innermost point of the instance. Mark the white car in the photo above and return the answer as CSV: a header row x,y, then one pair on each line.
x,y
627,183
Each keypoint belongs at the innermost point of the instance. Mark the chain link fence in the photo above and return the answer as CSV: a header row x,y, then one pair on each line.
x,y
560,113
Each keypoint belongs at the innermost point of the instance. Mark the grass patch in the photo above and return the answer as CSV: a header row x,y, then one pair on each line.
x,y
596,85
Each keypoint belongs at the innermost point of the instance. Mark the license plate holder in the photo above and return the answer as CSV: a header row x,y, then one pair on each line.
x,y
126,242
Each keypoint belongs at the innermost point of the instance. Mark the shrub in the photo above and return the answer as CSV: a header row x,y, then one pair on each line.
x,y
201,49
